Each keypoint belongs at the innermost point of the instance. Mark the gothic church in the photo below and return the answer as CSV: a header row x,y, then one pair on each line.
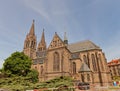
x,y
83,61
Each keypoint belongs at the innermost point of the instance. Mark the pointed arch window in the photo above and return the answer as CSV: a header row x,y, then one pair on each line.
x,y
74,67
94,62
101,62
32,44
27,43
56,62
88,77
85,59
82,77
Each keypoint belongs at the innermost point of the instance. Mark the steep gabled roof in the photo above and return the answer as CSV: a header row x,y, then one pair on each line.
x,y
84,68
82,46
56,42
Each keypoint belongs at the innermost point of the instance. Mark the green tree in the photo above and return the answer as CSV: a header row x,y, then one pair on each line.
x,y
18,64
33,75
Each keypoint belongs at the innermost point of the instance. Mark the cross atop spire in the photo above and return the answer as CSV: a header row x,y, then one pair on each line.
x,y
32,32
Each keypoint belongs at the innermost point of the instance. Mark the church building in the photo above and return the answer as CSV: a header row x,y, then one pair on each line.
x,y
83,61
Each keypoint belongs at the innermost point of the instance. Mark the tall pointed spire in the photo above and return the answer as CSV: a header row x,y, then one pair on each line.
x,y
30,43
42,43
32,32
43,38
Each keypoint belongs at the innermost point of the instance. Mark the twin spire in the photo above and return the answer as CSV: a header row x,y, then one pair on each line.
x,y
42,43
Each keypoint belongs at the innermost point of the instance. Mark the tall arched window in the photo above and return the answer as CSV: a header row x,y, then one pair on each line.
x,y
88,77
85,59
94,62
101,63
74,67
32,44
56,62
82,77
27,43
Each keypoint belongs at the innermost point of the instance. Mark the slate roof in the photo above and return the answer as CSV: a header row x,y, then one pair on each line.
x,y
84,68
82,46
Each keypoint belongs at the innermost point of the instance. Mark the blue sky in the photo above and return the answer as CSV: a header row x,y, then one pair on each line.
x,y
95,20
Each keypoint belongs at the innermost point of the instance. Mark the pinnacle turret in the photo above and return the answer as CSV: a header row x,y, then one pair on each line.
x,y
65,39
43,38
42,43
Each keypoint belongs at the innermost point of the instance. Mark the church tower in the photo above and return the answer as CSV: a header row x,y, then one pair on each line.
x,y
30,43
42,43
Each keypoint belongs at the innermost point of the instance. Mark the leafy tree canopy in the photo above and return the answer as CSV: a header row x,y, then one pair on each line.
x,y
18,64
33,75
